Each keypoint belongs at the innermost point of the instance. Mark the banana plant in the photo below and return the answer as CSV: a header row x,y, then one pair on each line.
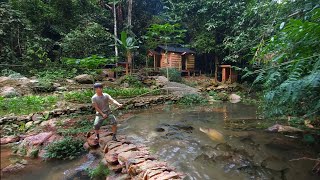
x,y
129,45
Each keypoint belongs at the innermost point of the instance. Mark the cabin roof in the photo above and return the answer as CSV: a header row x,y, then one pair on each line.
x,y
175,49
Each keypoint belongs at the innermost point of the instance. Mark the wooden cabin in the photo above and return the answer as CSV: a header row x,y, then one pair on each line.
x,y
180,58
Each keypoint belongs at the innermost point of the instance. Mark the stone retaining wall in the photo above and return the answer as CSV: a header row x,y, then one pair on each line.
x,y
132,103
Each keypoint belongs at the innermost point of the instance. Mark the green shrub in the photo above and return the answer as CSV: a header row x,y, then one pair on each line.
x,y
44,85
68,148
101,171
10,73
82,126
26,104
79,96
133,81
191,99
55,73
174,74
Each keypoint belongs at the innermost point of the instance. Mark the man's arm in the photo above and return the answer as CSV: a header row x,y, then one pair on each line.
x,y
114,101
99,110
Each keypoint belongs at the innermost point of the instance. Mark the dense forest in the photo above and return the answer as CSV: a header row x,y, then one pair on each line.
x,y
276,42
160,89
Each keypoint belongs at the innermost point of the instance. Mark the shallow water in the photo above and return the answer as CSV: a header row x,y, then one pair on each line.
x,y
50,170
247,154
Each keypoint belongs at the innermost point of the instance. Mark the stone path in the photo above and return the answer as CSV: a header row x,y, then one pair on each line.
x,y
179,89
129,160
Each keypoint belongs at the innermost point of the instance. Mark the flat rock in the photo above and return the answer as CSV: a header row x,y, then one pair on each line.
x,y
84,79
9,139
166,175
13,168
39,138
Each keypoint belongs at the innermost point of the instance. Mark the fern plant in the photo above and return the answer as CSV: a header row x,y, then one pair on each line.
x,y
291,78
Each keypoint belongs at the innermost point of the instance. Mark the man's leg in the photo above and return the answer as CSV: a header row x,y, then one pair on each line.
x,y
97,124
114,127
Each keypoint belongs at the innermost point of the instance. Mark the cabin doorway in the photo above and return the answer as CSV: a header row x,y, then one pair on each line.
x,y
184,62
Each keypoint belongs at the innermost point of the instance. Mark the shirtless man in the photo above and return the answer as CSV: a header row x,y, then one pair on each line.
x,y
100,102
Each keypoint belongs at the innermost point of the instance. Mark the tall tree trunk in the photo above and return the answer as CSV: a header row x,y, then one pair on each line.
x,y
115,29
216,62
130,14
129,59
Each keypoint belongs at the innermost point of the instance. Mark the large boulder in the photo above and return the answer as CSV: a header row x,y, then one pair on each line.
x,y
161,81
8,92
84,79
233,98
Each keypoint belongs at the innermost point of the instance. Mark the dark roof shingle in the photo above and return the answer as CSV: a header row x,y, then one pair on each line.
x,y
175,49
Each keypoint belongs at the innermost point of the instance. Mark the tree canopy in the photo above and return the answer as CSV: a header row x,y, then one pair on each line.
x,y
275,42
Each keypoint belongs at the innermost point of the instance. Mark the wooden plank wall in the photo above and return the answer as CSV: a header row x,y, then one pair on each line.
x,y
174,60
190,62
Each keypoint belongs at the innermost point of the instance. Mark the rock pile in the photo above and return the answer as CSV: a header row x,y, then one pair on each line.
x,y
131,161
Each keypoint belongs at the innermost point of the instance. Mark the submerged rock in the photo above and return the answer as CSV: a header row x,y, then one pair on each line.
x,y
274,163
282,128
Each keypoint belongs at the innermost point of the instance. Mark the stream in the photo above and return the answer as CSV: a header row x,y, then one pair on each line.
x,y
172,133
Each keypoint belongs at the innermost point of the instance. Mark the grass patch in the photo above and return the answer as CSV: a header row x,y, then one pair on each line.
x,y
189,83
85,96
26,104
68,148
191,99
56,73
100,172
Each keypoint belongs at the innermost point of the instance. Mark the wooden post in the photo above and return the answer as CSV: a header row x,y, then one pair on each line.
x,y
223,74
154,62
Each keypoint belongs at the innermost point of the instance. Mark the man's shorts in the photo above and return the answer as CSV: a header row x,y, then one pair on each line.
x,y
99,120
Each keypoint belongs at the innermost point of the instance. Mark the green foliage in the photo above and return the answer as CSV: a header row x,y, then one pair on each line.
x,y
14,32
192,99
133,81
55,73
219,95
91,62
44,85
10,73
26,104
174,74
34,153
86,41
67,148
164,34
79,96
101,171
85,95
82,126
291,77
